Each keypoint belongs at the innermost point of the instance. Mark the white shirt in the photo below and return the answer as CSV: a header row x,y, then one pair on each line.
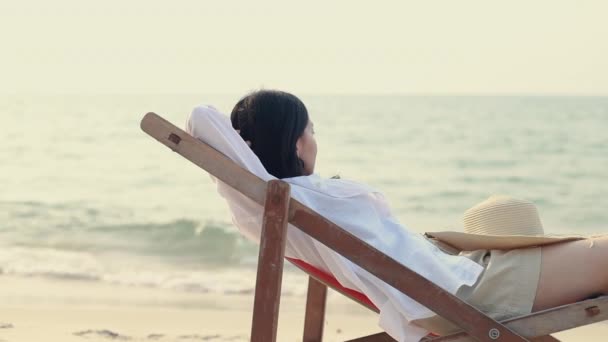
x,y
357,208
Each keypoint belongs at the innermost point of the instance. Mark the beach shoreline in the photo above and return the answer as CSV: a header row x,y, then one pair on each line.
x,y
36,309
39,309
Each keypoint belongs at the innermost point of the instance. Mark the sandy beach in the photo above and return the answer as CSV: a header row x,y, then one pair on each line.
x,y
34,309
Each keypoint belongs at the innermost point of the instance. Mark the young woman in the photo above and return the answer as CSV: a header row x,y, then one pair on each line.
x,y
277,127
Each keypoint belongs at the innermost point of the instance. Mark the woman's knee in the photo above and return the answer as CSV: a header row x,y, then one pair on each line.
x,y
598,254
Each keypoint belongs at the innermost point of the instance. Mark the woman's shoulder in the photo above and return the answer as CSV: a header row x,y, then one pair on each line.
x,y
334,187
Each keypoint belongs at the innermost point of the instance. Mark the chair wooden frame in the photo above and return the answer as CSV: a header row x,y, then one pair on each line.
x,y
280,209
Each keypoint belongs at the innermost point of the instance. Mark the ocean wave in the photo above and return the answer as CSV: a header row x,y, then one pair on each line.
x,y
74,227
142,272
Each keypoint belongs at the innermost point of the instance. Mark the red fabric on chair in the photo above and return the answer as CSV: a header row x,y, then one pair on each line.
x,y
330,280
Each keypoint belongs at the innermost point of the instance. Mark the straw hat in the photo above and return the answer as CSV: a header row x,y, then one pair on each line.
x,y
500,222
503,215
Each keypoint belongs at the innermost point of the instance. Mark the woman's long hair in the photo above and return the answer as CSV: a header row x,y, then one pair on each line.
x,y
272,121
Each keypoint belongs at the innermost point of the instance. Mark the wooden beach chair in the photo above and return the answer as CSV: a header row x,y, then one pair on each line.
x,y
280,208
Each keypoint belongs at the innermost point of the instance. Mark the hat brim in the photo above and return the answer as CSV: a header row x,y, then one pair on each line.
x,y
472,242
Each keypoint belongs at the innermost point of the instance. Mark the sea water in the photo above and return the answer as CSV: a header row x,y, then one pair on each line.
x,y
85,194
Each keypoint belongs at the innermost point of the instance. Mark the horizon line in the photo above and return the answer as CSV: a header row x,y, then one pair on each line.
x,y
304,93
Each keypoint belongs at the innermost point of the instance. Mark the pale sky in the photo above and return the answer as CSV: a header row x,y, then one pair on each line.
x,y
314,47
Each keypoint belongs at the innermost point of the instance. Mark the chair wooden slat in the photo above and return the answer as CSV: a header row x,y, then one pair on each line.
x,y
314,319
270,263
384,337
552,320
379,337
205,157
546,338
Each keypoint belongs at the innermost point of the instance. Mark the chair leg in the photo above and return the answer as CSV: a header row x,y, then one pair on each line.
x,y
270,263
314,320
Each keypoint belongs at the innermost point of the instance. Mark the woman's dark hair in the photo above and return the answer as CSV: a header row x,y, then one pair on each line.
x,y
273,121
